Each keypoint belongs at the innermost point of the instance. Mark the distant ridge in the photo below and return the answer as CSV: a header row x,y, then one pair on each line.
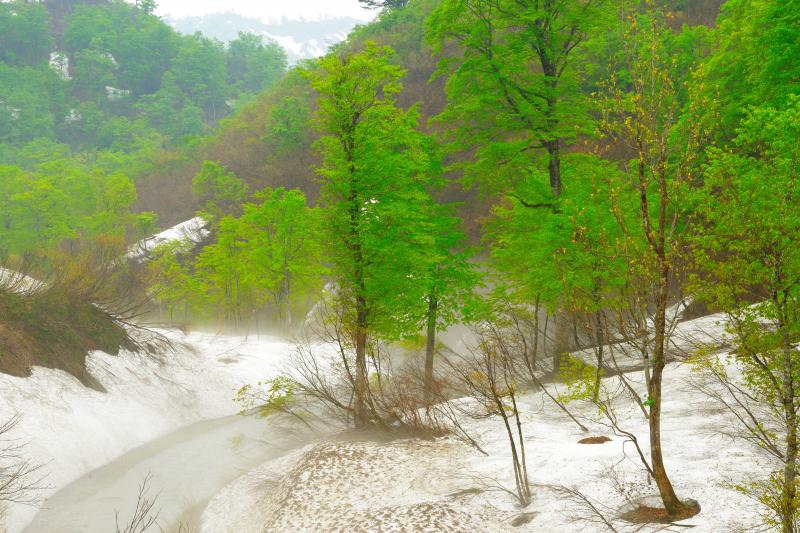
x,y
302,39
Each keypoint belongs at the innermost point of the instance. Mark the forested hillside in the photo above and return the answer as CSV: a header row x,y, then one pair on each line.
x,y
270,142
615,163
93,96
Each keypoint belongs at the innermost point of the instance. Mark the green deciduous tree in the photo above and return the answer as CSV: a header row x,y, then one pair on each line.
x,y
222,267
93,70
449,280
374,179
252,65
748,244
62,200
25,37
199,70
218,191
33,103
171,112
648,198
566,258
285,248
753,64
513,94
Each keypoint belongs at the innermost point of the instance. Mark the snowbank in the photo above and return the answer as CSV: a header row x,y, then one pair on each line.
x,y
445,485
193,230
18,282
71,429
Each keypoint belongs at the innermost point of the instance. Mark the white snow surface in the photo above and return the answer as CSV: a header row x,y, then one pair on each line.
x,y
192,230
71,429
446,485
18,282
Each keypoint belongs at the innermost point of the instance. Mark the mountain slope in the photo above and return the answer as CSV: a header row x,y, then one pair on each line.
x,y
302,39
270,141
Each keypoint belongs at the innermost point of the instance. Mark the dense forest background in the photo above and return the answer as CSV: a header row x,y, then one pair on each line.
x,y
100,92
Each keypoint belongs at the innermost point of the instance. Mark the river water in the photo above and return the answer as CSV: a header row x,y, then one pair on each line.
x,y
186,469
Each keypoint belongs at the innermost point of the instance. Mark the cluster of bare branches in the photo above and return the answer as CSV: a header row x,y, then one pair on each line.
x,y
487,373
757,384
318,385
146,513
21,480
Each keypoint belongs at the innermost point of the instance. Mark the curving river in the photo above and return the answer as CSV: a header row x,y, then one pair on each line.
x,y
187,468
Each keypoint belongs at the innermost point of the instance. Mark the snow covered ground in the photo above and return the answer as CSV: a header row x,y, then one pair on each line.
x,y
446,485
192,230
340,485
18,282
72,430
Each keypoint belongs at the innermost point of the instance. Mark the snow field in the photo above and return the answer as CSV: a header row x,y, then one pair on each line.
x,y
446,485
71,430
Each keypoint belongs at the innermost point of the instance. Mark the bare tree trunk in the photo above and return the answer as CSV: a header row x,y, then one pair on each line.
x,y
286,291
520,474
523,460
671,502
552,145
789,503
554,165
430,347
658,243
360,385
561,341
600,340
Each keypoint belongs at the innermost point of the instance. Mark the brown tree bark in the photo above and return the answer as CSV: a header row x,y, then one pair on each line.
x,y
554,165
361,418
430,346
657,241
789,500
671,502
360,384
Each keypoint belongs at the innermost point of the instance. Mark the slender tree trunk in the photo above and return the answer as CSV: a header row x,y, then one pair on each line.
x,y
430,347
671,502
658,244
535,352
789,503
600,340
553,143
519,474
523,460
561,342
360,385
286,291
554,165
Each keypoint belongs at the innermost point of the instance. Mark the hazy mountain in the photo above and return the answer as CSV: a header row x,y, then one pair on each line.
x,y
302,39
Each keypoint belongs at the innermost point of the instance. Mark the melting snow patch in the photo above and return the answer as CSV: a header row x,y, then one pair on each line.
x,y
71,429
445,485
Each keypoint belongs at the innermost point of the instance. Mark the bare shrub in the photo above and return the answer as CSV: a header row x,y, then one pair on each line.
x,y
145,513
319,382
21,480
516,331
487,373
